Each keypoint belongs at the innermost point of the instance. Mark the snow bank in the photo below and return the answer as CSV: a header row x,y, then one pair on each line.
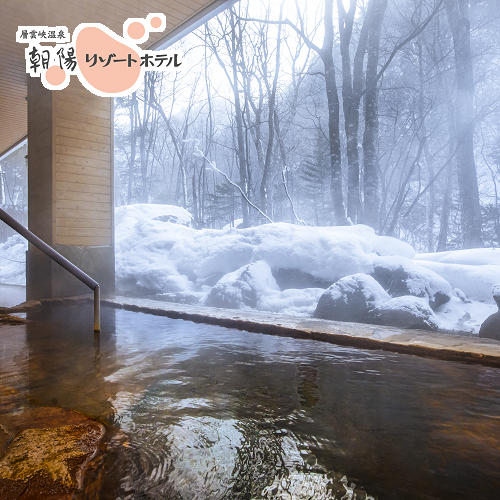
x,y
457,315
145,245
170,259
476,281
474,272
141,263
158,253
236,268
292,302
143,212
12,261
471,257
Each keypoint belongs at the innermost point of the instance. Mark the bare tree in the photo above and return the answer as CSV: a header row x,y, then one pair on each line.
x,y
458,18
370,136
232,37
352,88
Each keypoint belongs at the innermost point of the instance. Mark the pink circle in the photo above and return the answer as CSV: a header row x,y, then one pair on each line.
x,y
55,75
136,30
155,22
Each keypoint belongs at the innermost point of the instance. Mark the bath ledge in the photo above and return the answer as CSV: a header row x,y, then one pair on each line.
x,y
417,342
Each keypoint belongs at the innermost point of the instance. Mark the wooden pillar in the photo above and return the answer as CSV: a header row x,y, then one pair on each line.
x,y
70,188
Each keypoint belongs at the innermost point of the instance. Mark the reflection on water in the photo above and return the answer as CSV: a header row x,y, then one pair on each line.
x,y
203,412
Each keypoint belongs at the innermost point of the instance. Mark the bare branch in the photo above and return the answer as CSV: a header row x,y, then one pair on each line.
x,y
215,169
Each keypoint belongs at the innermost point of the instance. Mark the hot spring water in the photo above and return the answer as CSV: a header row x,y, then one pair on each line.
x,y
204,412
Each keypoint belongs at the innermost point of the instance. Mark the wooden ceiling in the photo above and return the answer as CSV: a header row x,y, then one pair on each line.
x,y
182,16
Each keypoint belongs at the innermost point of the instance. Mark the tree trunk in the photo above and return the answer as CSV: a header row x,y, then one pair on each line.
x,y
457,13
271,92
352,87
142,140
182,168
445,212
431,198
370,136
239,125
333,118
196,222
132,148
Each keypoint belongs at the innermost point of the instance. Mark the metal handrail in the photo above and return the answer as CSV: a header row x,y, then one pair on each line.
x,y
62,261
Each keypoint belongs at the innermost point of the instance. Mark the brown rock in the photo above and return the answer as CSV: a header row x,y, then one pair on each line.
x,y
48,460
4,438
490,328
9,318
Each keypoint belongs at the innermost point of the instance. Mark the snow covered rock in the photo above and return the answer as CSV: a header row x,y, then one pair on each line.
x,y
179,297
155,280
400,276
405,312
142,212
243,287
351,299
295,278
496,294
173,257
491,327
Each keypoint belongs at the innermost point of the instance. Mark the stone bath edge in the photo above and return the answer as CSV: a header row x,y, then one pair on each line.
x,y
444,346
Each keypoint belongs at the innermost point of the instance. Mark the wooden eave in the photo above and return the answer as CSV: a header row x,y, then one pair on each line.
x,y
182,16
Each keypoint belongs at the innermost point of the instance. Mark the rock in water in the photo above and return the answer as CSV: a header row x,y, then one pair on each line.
x,y
43,462
4,439
351,299
405,312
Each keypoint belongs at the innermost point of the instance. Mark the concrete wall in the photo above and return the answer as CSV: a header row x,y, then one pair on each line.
x,y
70,187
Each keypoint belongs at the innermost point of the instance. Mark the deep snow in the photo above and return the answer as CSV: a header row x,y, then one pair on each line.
x,y
13,261
158,253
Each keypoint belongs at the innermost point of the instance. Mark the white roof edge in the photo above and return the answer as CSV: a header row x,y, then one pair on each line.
x,y
191,24
18,144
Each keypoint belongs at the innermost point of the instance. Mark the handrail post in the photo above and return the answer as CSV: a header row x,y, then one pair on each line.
x,y
97,309
62,261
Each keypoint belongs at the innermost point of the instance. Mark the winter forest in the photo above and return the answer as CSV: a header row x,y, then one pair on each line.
x,y
308,151
379,112
319,113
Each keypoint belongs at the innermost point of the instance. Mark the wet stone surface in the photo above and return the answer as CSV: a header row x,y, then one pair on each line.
x,y
409,341
11,319
44,452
